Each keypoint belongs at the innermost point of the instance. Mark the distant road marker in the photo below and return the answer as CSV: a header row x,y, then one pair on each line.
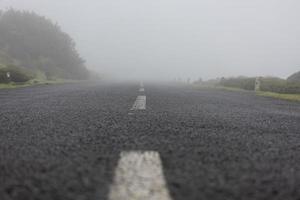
x,y
140,103
139,176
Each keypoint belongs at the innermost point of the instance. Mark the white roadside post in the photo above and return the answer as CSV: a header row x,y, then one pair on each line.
x,y
8,75
257,84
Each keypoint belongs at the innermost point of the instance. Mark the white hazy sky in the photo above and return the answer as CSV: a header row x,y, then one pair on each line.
x,y
164,39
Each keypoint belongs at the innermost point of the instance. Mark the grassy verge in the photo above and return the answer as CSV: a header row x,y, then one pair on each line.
x,y
34,82
231,89
13,85
219,88
290,97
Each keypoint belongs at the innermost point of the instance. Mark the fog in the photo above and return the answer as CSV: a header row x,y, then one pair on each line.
x,y
166,39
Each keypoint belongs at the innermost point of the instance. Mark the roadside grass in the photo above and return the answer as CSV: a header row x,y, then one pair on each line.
x,y
35,82
220,88
231,89
289,97
12,85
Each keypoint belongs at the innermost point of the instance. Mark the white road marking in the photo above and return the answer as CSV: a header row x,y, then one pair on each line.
x,y
141,90
141,84
140,103
139,176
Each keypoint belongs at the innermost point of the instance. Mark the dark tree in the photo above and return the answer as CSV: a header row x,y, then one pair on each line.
x,y
36,43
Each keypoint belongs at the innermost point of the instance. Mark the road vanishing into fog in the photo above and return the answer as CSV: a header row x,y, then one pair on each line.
x,y
126,141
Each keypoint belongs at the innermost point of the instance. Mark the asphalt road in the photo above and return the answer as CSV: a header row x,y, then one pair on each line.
x,y
65,142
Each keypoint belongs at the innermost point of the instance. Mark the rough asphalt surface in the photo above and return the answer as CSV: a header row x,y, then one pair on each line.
x,y
63,142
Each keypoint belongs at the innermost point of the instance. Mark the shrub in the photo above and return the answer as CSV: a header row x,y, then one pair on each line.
x,y
3,77
239,82
17,75
280,86
268,84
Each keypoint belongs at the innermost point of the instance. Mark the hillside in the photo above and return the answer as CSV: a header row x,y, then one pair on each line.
x,y
294,77
36,44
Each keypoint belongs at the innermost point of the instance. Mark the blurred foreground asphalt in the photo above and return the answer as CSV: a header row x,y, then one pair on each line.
x,y
63,142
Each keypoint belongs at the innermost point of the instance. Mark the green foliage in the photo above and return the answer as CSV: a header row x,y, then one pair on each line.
x,y
280,86
3,77
268,84
36,43
239,82
290,97
17,75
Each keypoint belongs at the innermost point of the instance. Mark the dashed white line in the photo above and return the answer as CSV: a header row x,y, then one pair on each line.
x,y
139,176
140,103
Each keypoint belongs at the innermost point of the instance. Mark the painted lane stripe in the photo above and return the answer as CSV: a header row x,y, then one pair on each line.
x,y
141,90
139,176
140,103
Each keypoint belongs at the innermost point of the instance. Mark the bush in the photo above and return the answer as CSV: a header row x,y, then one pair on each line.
x,y
268,84
280,86
17,75
239,82
3,77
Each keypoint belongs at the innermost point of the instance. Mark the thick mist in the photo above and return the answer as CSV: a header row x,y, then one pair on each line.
x,y
167,39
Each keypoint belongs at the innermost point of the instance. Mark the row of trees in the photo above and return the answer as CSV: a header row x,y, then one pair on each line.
x,y
36,43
